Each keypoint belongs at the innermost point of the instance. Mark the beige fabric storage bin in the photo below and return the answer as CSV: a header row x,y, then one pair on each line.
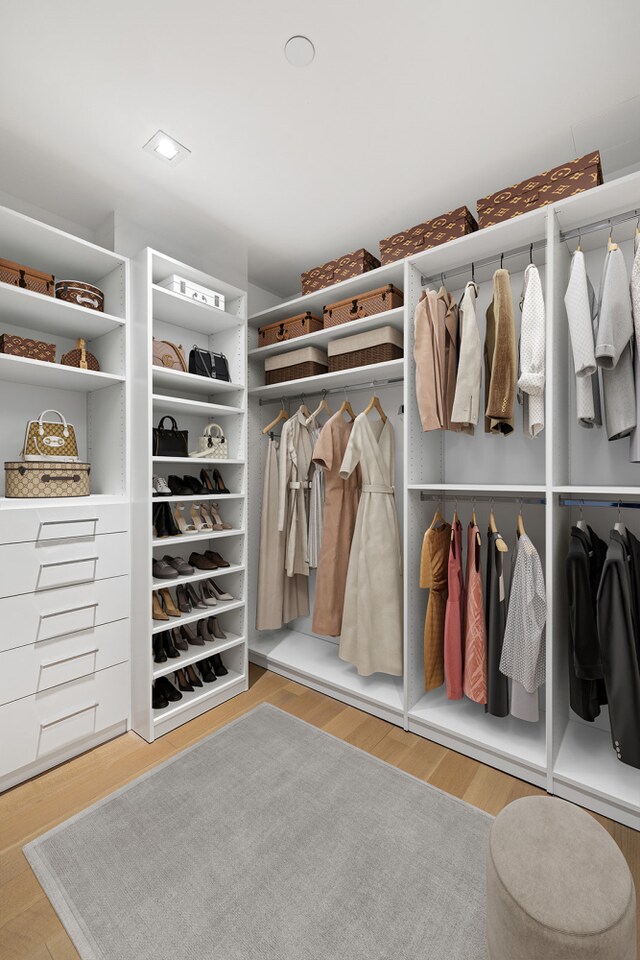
x,y
306,362
374,346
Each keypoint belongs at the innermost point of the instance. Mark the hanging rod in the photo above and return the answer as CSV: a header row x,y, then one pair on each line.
x,y
465,495
616,504
316,393
485,262
609,223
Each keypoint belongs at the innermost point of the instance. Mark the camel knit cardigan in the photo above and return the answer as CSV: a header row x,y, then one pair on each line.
x,y
500,357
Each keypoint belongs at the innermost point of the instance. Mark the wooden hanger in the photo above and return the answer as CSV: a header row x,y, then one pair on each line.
x,y
304,410
374,404
454,521
520,524
619,525
500,544
438,521
323,406
282,415
346,408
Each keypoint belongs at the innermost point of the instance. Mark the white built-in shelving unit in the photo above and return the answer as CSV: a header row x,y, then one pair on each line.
x,y
194,401
565,755
64,599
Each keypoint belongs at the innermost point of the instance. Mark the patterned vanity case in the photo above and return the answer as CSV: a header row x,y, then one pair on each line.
x,y
297,326
46,479
364,305
25,347
26,277
82,294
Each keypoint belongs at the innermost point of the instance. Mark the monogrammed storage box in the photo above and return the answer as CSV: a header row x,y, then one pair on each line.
x,y
46,478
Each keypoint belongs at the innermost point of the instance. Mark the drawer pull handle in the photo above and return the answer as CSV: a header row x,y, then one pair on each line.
x,y
62,613
73,656
63,563
50,523
67,716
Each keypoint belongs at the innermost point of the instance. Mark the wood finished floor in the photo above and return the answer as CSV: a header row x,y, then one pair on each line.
x,y
29,927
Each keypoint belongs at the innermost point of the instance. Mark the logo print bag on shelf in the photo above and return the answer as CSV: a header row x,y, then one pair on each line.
x,y
170,443
168,354
48,440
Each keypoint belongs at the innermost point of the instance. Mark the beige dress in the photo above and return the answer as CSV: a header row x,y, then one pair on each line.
x,y
340,508
295,460
372,618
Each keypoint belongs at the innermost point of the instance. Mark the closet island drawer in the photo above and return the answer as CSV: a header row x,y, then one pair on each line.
x,y
34,617
42,523
49,663
29,567
54,719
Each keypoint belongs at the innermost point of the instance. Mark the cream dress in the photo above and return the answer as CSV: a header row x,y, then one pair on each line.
x,y
372,619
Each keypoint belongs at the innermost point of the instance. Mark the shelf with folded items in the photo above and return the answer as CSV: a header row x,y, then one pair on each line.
x,y
194,654
222,606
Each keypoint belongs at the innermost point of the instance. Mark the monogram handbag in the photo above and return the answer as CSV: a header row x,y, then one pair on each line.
x,y
168,354
206,363
50,440
172,442
212,446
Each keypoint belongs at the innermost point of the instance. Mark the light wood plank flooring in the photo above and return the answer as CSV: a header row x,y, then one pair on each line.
x,y
29,927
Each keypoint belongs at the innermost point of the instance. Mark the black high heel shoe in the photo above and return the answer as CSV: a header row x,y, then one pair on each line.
x,y
159,656
172,527
207,671
192,676
190,636
169,648
184,604
178,641
178,487
194,485
158,700
159,519
183,683
207,482
167,689
218,665
196,600
219,482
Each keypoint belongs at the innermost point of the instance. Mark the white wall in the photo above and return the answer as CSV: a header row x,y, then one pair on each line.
x,y
261,299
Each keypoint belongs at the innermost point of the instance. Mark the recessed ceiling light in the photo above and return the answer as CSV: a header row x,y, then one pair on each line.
x,y
299,51
166,148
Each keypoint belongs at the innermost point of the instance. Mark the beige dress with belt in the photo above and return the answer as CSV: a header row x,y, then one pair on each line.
x,y
372,618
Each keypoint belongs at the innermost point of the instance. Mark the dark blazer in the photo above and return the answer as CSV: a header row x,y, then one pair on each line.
x,y
585,561
617,601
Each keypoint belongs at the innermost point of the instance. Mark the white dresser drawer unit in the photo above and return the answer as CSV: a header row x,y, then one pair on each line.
x,y
51,721
29,567
49,663
55,522
32,617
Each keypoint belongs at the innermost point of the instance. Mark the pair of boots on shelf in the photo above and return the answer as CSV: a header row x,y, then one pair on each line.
x,y
187,599
203,517
163,691
189,486
168,644
171,567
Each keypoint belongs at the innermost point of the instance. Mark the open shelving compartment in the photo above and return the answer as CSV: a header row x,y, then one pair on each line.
x,y
194,401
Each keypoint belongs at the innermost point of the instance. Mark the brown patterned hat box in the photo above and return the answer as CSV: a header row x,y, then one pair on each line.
x,y
46,478
431,233
350,265
365,305
576,176
288,329
24,347
26,277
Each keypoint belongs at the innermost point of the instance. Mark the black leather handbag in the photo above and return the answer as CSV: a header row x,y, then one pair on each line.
x,y
170,443
206,363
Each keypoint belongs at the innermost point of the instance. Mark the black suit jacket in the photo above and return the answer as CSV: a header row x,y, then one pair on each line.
x,y
585,561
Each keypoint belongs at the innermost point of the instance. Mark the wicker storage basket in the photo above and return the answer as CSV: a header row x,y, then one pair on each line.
x,y
350,265
46,478
288,329
366,305
24,347
431,233
573,177
26,277
374,346
83,294
307,362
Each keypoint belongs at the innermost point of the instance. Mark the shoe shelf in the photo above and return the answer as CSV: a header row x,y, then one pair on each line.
x,y
201,696
174,405
222,606
321,338
200,499
193,654
199,575
199,461
55,376
196,537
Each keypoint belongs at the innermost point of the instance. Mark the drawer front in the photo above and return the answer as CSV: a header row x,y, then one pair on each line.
x,y
56,718
39,524
34,617
49,663
30,567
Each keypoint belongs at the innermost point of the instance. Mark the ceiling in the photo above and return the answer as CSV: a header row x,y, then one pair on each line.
x,y
409,109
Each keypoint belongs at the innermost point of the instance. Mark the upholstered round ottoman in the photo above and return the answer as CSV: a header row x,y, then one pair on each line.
x,y
558,887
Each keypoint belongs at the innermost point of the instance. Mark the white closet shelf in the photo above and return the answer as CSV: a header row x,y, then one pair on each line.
x,y
195,577
607,493
591,206
200,461
208,692
392,369
315,302
191,382
507,737
95,499
193,654
35,311
586,759
38,373
170,307
200,499
164,266
391,318
175,405
480,488
316,660
223,606
196,537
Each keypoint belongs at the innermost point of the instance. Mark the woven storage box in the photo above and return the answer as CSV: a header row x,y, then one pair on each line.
x,y
24,347
288,329
431,233
350,265
307,362
26,277
374,346
82,294
366,305
573,177
46,478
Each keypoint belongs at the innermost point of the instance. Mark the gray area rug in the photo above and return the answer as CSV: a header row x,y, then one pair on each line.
x,y
270,840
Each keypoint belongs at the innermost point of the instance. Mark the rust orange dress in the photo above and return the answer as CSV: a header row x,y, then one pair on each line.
x,y
433,576
475,631
454,617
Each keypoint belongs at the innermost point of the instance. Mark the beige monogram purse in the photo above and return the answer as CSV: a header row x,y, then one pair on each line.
x,y
168,354
50,440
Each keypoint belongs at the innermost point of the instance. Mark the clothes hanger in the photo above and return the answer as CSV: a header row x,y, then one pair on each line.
x,y
611,246
455,520
438,521
581,525
500,544
346,407
374,404
474,522
520,523
619,526
282,415
303,409
323,406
